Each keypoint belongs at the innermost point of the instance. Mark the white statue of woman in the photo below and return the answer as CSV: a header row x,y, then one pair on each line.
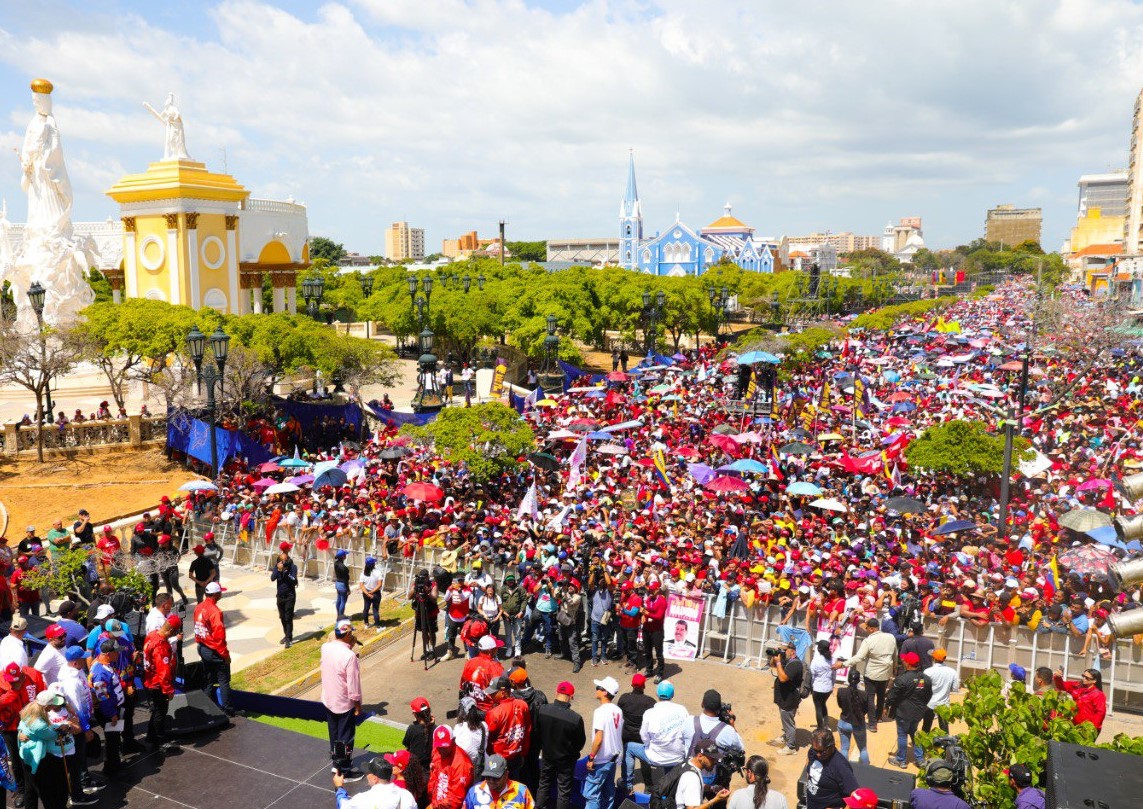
x,y
175,145
45,176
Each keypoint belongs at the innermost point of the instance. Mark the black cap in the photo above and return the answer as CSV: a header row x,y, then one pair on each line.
x,y
501,683
1021,775
711,700
494,767
108,646
710,750
380,768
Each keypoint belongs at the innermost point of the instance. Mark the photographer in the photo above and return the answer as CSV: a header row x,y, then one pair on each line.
x,y
423,595
716,724
788,672
940,778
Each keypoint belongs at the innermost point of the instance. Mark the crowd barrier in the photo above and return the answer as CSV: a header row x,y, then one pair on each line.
x,y
741,637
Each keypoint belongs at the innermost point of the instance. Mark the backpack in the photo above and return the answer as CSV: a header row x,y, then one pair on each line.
x,y
665,797
701,737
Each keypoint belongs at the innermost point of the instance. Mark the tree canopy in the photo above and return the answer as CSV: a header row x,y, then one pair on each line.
x,y
964,449
485,438
331,251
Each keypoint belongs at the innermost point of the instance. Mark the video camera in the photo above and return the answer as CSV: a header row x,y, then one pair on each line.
x,y
954,759
726,713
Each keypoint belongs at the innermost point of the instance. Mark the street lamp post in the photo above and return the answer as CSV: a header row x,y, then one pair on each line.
x,y
210,376
775,308
313,290
36,294
652,311
551,377
366,291
428,397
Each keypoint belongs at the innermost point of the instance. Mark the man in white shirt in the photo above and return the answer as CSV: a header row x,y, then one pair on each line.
x,y
606,746
666,733
688,793
381,793
51,659
945,682
12,648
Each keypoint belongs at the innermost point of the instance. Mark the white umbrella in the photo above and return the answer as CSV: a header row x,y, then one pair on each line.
x,y
282,488
829,505
611,449
552,436
198,486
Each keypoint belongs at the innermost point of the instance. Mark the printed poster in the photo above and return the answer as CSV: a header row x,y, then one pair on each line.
x,y
840,645
681,628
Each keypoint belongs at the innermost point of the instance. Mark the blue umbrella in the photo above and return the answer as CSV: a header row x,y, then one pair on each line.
x,y
904,407
803,487
600,436
294,463
952,526
198,486
746,465
755,357
1105,535
890,376
330,477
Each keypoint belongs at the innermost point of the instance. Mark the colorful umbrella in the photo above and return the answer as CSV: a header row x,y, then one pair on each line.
x,y
611,449
617,376
796,448
727,484
269,468
294,463
701,472
333,477
953,526
264,483
745,465
724,443
423,491
300,480
1087,560
1094,483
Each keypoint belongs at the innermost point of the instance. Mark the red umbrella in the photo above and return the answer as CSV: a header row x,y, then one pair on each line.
x,y
900,397
617,376
645,462
728,484
688,452
269,467
724,443
423,491
1011,366
898,421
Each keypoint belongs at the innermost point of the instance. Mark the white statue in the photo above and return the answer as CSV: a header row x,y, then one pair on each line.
x,y
49,253
175,145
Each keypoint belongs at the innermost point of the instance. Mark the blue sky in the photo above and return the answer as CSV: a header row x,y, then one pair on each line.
x,y
453,114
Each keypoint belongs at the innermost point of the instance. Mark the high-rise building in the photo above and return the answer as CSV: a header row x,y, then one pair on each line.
x,y
1011,226
1133,227
402,242
1101,214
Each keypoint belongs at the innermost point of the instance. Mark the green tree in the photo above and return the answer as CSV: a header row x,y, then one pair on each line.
x,y
964,449
528,251
331,251
486,438
99,285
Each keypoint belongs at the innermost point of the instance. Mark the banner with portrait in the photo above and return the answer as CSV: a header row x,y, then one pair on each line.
x,y
842,640
681,628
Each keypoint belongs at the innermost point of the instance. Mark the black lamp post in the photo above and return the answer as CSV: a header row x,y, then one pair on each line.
x,y
480,279
313,290
427,399
652,311
467,280
36,295
366,291
210,376
775,308
551,377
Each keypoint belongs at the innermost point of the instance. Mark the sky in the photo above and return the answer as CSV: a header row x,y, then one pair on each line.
x,y
454,114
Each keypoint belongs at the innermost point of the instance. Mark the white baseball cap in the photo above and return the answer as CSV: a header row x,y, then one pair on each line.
x,y
213,588
608,684
104,611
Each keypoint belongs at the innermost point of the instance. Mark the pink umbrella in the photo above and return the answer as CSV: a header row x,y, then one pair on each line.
x,y
1094,483
748,438
264,483
724,443
728,484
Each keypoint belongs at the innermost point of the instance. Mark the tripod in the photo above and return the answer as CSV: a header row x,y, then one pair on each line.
x,y
421,627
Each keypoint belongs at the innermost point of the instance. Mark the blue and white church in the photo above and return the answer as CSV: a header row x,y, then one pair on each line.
x,y
679,250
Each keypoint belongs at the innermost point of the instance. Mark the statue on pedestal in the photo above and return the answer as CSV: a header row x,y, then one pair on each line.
x,y
175,145
50,253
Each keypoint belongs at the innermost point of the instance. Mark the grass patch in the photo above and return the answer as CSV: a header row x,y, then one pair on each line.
x,y
281,669
377,737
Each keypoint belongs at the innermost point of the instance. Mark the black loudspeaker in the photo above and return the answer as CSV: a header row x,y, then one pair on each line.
x,y
630,804
893,787
1077,777
194,712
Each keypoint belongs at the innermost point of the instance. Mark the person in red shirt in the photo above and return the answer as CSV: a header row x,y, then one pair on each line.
x,y
159,675
473,630
210,635
630,617
654,612
509,726
480,672
458,604
1091,702
18,687
451,772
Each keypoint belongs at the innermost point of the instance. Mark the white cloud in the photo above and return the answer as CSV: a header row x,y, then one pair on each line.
x,y
453,114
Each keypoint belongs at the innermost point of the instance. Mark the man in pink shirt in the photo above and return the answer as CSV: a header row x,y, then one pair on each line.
x,y
341,696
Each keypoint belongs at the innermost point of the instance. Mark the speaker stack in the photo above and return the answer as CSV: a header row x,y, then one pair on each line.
x,y
894,788
1078,777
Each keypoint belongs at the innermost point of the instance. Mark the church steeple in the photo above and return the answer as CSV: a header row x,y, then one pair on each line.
x,y
630,220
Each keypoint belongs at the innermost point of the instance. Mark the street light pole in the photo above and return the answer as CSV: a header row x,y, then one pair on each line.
x,y
212,374
366,291
36,294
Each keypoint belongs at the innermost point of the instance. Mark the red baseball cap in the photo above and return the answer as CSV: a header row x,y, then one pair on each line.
x,y
12,672
400,758
419,704
285,546
442,737
55,631
911,659
566,688
862,798
638,679
175,621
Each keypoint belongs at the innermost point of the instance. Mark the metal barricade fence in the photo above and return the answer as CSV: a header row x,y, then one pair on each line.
x,y
741,637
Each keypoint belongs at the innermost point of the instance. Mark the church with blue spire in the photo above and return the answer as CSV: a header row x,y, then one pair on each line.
x,y
680,250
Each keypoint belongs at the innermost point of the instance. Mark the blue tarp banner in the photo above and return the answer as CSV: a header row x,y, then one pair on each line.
x,y
308,414
191,436
571,374
516,402
396,418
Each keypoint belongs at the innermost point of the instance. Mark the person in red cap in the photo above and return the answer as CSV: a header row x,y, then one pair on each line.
x,y
51,659
285,576
561,737
654,613
862,798
201,572
478,673
909,695
159,676
450,773
418,738
18,687
634,704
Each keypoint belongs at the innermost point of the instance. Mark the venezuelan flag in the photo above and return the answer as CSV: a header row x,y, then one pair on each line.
x,y
1052,579
661,468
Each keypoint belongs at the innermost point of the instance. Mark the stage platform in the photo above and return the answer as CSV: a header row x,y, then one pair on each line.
x,y
247,764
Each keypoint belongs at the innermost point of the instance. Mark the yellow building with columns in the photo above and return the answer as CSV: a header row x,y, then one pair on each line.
x,y
195,237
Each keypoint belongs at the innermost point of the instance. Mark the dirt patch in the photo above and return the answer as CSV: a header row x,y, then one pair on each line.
x,y
109,485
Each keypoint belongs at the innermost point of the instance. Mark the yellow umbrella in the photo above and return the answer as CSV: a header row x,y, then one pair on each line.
x,y
831,437
546,403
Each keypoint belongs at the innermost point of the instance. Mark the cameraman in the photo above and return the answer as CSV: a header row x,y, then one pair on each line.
x,y
713,725
788,672
940,777
423,594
